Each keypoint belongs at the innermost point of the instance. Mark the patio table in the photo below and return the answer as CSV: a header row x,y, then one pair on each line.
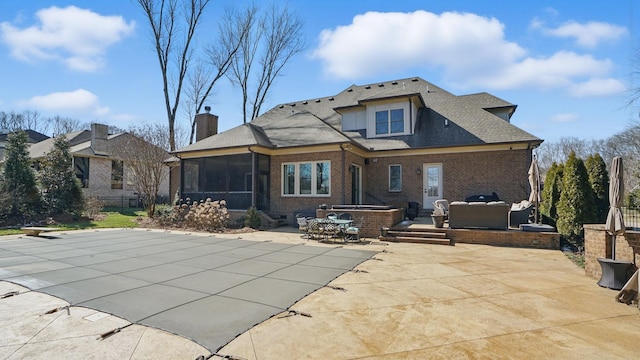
x,y
343,224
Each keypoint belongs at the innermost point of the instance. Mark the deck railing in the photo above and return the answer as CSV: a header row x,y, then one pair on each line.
x,y
631,218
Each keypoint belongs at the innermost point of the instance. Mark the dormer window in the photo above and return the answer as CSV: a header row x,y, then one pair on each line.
x,y
381,117
390,122
389,118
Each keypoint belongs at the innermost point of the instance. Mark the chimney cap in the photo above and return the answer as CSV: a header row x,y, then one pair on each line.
x,y
207,108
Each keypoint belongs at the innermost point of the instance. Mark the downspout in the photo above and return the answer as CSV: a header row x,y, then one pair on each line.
x,y
411,125
254,166
343,175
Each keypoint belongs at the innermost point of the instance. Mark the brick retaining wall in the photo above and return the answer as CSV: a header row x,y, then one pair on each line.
x,y
373,219
515,238
597,244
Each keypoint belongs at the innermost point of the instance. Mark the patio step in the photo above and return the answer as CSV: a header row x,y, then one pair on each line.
x,y
417,236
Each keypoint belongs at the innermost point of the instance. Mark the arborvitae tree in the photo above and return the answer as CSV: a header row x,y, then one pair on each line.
x,y
551,194
18,185
61,188
599,181
576,206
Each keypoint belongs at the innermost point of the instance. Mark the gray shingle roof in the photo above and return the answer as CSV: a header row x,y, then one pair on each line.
x,y
80,146
317,121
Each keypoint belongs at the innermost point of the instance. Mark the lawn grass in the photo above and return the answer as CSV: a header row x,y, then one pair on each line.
x,y
113,218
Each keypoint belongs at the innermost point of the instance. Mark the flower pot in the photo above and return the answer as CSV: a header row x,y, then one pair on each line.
x,y
438,220
384,231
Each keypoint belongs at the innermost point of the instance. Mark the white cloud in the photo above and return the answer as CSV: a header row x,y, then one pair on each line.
x,y
597,87
78,102
566,117
559,70
376,42
77,37
471,51
588,35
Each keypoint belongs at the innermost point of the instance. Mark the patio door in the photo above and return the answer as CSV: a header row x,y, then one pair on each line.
x,y
356,184
432,184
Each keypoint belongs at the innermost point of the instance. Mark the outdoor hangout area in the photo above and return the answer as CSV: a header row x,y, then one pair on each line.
x,y
489,223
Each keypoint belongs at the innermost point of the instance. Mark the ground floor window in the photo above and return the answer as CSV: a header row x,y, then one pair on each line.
x,y
81,167
395,178
117,174
306,178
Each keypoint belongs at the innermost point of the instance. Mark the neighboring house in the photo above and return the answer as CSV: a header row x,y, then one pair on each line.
x,y
101,174
383,143
32,138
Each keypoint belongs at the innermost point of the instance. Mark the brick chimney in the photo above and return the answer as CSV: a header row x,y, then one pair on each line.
x,y
99,133
206,124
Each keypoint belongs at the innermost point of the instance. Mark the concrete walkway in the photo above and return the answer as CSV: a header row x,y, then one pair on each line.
x,y
409,302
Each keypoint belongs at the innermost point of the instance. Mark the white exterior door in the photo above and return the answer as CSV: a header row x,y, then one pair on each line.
x,y
432,184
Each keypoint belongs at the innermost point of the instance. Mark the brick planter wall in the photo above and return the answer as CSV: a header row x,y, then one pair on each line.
x,y
373,219
515,238
597,244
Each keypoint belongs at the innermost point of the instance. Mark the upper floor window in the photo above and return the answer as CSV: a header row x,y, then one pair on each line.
x,y
390,121
306,178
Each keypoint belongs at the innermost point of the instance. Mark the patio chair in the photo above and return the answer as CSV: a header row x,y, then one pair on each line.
x,y
352,233
302,225
443,205
520,213
344,216
329,230
314,230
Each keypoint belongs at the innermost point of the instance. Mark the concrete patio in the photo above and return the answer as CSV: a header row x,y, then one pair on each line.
x,y
410,301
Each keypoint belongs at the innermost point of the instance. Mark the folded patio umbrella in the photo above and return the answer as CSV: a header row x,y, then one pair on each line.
x,y
615,221
534,182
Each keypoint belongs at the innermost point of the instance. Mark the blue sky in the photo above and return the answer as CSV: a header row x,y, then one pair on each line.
x,y
567,64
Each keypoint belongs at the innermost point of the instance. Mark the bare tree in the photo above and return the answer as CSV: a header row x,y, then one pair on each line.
x,y
31,120
231,33
26,120
143,150
64,125
272,41
173,28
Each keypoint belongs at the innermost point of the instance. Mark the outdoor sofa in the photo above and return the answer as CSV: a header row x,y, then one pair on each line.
x,y
485,215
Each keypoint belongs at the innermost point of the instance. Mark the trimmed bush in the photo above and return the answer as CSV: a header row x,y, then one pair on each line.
x,y
599,181
253,219
206,215
576,206
551,194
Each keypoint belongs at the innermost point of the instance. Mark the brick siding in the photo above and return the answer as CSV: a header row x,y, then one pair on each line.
x,y
100,184
464,174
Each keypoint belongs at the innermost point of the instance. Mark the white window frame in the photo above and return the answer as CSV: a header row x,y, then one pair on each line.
x,y
314,179
399,189
408,111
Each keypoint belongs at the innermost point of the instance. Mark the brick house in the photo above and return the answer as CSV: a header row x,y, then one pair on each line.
x,y
101,174
384,143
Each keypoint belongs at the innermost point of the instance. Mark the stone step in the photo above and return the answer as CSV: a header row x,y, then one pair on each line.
x,y
418,233
417,240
